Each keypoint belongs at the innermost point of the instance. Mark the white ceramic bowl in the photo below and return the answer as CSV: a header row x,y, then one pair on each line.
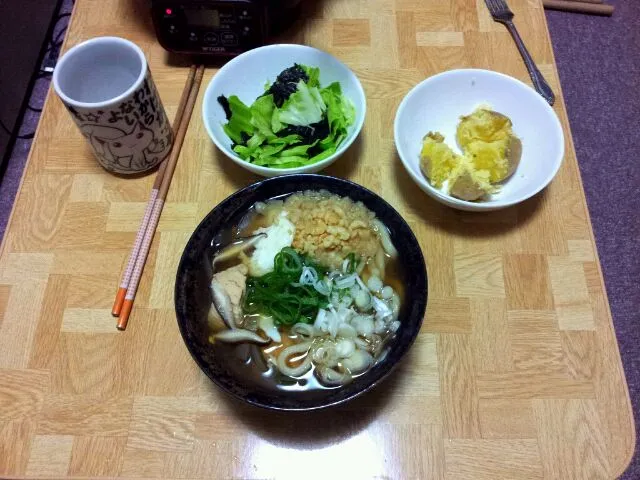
x,y
437,103
246,75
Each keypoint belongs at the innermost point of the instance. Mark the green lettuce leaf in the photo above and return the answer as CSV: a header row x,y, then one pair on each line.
x,y
287,140
314,75
298,150
240,120
262,111
304,107
276,124
322,155
340,111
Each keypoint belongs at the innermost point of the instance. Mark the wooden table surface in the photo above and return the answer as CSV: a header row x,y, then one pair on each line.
x,y
515,374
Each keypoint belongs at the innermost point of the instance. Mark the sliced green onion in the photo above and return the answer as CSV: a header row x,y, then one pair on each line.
x,y
279,293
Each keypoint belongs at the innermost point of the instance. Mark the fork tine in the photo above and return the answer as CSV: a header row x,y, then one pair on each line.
x,y
504,7
491,6
499,10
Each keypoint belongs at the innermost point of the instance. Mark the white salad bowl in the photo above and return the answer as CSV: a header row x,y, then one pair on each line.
x,y
437,103
246,76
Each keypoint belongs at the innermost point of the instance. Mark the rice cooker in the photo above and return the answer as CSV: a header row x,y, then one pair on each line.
x,y
222,28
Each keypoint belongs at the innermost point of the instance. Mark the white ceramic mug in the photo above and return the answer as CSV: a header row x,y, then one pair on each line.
x,y
106,85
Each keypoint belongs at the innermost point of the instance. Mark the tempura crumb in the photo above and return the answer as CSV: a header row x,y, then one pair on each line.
x,y
329,227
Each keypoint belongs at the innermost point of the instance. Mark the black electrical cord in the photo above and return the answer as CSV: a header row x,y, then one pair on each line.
x,y
2,125
60,34
52,51
39,76
54,44
53,48
26,136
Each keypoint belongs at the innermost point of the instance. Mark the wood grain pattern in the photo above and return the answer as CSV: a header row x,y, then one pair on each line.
x,y
49,455
491,459
96,456
83,415
479,275
5,292
515,373
458,387
578,422
15,443
25,401
502,419
490,336
527,282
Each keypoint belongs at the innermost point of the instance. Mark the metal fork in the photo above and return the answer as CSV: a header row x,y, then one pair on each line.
x,y
500,12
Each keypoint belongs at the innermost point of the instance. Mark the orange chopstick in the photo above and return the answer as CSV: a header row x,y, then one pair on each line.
x,y
126,276
159,202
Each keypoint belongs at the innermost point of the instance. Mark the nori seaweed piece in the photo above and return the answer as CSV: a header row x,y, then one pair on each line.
x,y
286,83
224,102
309,133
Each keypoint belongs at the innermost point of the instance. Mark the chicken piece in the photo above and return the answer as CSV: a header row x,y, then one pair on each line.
x,y
228,287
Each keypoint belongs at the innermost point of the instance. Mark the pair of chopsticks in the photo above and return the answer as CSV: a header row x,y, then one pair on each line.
x,y
594,7
131,277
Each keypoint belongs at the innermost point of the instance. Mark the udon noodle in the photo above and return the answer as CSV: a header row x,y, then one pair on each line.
x,y
312,279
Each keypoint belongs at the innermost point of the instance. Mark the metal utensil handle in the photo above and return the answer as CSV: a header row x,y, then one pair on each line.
x,y
540,84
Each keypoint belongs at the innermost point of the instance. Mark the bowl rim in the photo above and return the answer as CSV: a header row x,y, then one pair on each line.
x,y
347,142
382,375
464,204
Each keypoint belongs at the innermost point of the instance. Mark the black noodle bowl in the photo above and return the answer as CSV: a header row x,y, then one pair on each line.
x,y
222,364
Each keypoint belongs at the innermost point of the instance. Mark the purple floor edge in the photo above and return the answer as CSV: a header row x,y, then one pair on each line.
x,y
598,61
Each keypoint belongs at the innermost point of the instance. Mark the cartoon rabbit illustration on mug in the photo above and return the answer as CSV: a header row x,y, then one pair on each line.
x,y
132,137
123,149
